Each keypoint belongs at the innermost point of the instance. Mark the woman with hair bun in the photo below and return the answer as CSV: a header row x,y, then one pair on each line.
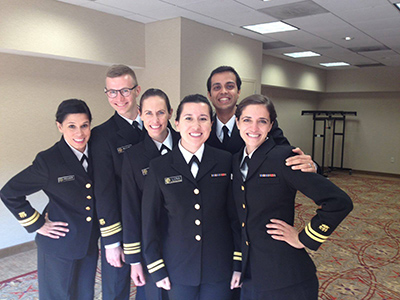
x,y
67,230
275,264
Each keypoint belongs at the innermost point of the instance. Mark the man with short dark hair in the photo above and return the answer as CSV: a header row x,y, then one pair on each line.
x,y
223,86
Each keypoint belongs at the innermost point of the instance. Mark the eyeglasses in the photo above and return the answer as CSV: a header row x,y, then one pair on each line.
x,y
125,92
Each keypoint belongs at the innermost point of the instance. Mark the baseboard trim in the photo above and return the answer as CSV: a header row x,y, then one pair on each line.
x,y
391,175
17,249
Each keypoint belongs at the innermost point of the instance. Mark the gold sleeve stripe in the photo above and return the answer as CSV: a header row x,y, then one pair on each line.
x,y
315,235
237,256
155,266
155,263
132,244
133,248
118,224
29,221
127,252
110,230
109,233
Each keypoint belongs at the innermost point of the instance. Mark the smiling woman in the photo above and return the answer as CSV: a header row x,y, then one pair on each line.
x,y
67,230
190,230
75,129
275,264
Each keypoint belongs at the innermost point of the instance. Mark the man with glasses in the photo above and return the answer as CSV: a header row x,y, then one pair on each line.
x,y
108,143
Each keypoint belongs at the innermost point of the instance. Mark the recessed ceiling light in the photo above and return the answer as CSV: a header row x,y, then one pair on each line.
x,y
334,64
348,38
302,54
272,27
397,5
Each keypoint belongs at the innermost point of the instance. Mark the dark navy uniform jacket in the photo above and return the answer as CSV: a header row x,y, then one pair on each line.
x,y
109,142
194,244
269,193
236,143
61,176
134,172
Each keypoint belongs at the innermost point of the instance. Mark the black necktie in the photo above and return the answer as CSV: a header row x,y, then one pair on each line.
x,y
226,137
135,125
83,160
164,149
244,168
194,160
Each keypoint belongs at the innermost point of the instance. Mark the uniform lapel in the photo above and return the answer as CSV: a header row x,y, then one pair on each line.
x,y
70,159
259,156
175,137
237,159
235,138
207,163
151,150
213,139
126,131
180,165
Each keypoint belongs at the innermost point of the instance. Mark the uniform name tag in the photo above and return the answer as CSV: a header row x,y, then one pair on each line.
x,y
122,149
66,178
219,175
267,175
173,179
145,171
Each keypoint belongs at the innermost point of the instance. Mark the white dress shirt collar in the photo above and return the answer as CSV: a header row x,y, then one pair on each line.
x,y
167,142
138,119
188,155
230,124
77,153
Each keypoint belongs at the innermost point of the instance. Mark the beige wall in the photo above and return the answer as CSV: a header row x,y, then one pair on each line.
x,y
282,73
289,104
32,89
372,138
204,48
377,79
163,65
48,27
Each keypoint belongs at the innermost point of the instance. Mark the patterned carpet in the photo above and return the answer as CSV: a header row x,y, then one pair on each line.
x,y
360,261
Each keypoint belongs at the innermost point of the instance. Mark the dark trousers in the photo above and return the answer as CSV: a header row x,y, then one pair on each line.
x,y
306,290
115,281
205,291
67,279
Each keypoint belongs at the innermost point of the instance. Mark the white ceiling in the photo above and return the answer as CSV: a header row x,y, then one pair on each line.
x,y
373,24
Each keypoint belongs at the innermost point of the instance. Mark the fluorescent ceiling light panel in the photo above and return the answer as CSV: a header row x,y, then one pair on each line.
x,y
334,64
302,54
397,5
272,27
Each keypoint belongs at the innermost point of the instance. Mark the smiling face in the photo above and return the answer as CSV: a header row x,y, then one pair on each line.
x,y
224,92
125,106
194,125
254,124
155,117
76,130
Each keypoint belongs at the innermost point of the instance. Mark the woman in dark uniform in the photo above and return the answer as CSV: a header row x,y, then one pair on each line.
x,y
155,112
67,231
189,220
275,264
